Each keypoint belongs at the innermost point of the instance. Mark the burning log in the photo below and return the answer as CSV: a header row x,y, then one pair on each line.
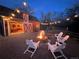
x,y
42,35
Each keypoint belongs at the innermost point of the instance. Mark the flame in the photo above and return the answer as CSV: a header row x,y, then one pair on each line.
x,y
41,35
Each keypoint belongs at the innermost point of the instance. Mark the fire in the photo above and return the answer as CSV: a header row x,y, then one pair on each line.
x,y
42,35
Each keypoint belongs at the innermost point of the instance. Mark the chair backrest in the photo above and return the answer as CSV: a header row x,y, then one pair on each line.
x,y
32,44
60,34
28,42
65,38
62,43
36,44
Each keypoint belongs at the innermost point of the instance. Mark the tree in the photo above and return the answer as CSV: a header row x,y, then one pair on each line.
x,y
70,12
60,16
42,17
46,17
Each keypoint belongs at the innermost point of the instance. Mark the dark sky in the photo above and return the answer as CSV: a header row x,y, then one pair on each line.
x,y
41,5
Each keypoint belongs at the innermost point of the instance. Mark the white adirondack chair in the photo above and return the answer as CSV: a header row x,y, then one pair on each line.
x,y
32,46
56,48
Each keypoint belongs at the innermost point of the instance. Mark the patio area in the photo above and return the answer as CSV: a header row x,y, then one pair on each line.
x,y
13,47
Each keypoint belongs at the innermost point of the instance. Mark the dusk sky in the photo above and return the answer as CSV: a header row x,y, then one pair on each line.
x,y
41,5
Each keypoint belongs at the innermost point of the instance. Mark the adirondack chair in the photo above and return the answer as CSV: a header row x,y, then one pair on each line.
x,y
56,48
32,47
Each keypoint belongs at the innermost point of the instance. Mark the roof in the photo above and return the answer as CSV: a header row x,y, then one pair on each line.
x,y
5,10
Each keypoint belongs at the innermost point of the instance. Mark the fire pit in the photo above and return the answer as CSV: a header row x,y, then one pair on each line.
x,y
42,36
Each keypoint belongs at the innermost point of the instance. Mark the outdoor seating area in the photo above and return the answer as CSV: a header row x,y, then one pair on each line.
x,y
27,46
57,47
